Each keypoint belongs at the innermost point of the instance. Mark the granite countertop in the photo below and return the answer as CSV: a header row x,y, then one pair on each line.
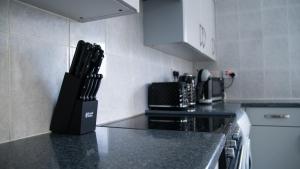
x,y
226,108
267,103
215,109
114,149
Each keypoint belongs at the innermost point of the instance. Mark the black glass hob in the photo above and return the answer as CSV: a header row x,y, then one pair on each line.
x,y
220,124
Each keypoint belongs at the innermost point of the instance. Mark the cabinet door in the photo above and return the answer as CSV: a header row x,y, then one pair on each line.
x,y
193,22
199,24
209,25
275,147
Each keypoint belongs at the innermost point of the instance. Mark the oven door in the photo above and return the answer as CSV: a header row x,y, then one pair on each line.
x,y
245,156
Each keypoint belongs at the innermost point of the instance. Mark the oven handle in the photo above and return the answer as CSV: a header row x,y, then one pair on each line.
x,y
277,116
168,121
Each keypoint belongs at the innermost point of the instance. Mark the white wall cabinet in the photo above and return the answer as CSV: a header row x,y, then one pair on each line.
x,y
184,28
88,10
275,137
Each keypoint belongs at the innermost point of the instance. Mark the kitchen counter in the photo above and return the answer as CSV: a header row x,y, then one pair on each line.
x,y
267,103
215,109
227,108
115,149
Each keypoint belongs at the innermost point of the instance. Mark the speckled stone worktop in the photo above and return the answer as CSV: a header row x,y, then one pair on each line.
x,y
111,148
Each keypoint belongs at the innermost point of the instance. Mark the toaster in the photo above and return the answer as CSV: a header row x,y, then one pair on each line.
x,y
168,96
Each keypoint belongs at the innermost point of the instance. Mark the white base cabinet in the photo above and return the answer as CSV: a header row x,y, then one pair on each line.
x,y
275,138
275,147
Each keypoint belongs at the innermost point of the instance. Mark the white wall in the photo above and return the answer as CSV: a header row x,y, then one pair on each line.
x,y
259,39
36,48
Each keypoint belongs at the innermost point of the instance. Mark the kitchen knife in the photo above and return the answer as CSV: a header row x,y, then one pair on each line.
x,y
98,62
79,49
88,93
94,88
85,87
99,79
87,62
83,56
94,59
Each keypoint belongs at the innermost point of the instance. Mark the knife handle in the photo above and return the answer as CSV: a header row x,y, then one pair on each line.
x,y
83,54
99,79
84,88
89,62
94,60
98,62
76,58
88,93
93,88
83,58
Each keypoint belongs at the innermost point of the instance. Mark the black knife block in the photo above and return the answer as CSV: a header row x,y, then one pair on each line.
x,y
72,115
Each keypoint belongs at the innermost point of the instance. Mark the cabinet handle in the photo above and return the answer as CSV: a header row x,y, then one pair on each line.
x,y
204,40
201,35
168,121
277,116
213,46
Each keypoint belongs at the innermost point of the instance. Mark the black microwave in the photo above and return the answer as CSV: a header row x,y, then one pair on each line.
x,y
168,95
217,92
212,90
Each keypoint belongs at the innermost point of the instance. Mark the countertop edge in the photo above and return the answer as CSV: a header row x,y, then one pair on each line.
x,y
214,160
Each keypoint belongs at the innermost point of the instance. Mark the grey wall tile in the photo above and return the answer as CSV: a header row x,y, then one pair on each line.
x,y
271,55
137,66
3,15
252,84
227,27
295,80
4,89
294,49
31,22
294,19
274,22
275,51
277,84
120,32
273,3
250,26
249,5
235,90
39,48
37,73
293,2
93,32
226,7
228,55
251,55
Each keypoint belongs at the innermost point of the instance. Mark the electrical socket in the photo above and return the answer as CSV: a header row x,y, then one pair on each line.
x,y
229,73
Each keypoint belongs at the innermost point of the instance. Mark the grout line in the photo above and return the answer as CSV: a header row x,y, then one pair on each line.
x,y
238,85
262,47
291,69
10,73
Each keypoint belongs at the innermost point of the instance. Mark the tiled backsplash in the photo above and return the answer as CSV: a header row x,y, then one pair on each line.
x,y
36,48
259,39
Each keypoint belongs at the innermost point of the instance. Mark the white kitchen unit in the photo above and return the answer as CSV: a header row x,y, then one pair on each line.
x,y
184,28
87,10
275,137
